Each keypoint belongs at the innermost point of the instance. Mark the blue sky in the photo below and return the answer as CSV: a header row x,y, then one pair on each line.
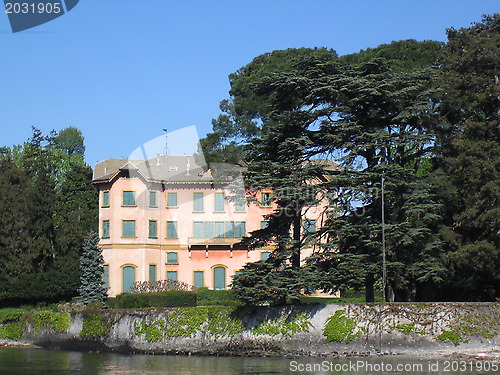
x,y
122,70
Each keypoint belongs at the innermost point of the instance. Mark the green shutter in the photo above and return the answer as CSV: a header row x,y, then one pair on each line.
x,y
152,272
128,275
171,199
239,206
129,198
219,278
128,228
309,226
105,198
172,275
198,202
266,199
153,228
152,198
198,279
172,258
264,224
106,276
172,229
219,202
105,229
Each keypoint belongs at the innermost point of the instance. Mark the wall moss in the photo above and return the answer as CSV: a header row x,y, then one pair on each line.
x,y
12,324
152,332
186,321
95,325
453,337
223,323
340,328
49,319
285,326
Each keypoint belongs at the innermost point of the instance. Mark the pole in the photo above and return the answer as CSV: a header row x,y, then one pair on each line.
x,y
384,275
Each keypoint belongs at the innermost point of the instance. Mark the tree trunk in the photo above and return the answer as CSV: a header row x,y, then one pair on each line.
x,y
369,291
296,238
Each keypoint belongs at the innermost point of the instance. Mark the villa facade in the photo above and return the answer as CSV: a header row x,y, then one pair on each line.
x,y
167,218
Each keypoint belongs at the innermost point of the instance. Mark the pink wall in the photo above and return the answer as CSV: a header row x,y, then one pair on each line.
x,y
142,251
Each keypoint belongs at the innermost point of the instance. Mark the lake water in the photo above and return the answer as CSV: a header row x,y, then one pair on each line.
x,y
24,361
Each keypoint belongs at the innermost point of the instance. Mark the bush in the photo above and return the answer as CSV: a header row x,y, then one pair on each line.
x,y
112,302
207,297
172,298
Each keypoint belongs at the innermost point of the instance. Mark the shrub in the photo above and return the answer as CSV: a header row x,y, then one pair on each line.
x,y
173,298
207,297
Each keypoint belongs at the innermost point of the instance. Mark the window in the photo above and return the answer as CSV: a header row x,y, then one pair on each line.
x,y
128,278
265,255
219,229
153,229
172,275
239,206
105,199
209,229
309,226
152,199
331,198
219,202
198,202
128,198
152,272
128,228
265,199
198,229
229,229
171,199
172,229
239,229
172,258
219,278
106,276
105,229
264,224
199,279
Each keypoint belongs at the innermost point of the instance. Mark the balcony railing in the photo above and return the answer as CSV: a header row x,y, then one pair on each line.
x,y
213,241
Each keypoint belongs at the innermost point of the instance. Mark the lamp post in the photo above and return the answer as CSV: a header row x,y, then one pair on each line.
x,y
384,275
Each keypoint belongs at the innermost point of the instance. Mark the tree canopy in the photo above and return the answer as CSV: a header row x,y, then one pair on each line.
x,y
422,116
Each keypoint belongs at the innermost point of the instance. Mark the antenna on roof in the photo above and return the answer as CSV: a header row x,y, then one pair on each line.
x,y
165,151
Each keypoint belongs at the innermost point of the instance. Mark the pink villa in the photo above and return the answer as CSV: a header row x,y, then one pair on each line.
x,y
167,218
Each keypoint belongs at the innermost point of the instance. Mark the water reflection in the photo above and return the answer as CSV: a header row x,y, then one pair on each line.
x,y
23,361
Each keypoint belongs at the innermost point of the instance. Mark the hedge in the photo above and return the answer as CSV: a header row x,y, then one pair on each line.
x,y
171,298
175,298
207,297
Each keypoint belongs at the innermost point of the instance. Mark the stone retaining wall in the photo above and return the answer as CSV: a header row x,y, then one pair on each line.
x,y
313,330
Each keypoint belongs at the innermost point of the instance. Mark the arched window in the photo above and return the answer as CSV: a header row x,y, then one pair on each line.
x,y
128,278
219,278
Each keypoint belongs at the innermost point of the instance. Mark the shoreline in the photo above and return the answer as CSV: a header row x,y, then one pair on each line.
x,y
491,353
465,331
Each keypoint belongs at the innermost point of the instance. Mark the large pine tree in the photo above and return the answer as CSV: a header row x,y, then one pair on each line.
x,y
470,158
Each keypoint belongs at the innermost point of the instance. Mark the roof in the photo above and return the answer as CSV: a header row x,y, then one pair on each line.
x,y
166,169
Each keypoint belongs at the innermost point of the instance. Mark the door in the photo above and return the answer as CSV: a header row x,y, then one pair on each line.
x,y
128,278
219,278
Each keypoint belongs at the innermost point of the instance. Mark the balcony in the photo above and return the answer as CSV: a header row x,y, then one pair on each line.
x,y
203,242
